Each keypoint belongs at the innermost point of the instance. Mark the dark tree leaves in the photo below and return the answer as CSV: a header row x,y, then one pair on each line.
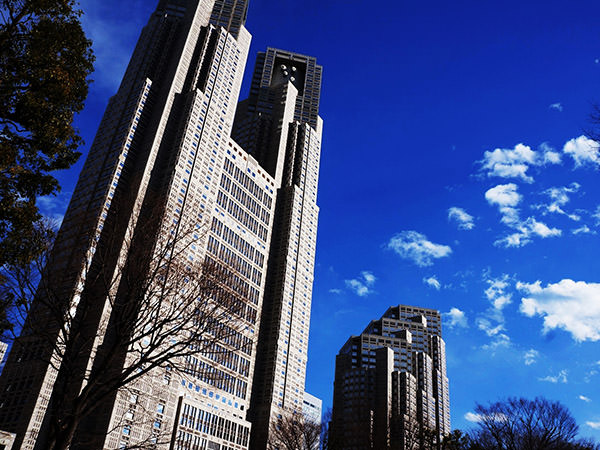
x,y
45,61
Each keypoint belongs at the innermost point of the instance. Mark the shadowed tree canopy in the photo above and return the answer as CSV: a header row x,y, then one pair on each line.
x,y
45,61
522,424
294,431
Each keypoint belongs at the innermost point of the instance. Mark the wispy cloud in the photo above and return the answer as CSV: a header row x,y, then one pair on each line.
x,y
561,377
569,305
506,197
472,417
335,291
417,248
531,356
559,197
584,151
463,219
556,107
492,321
514,163
596,215
496,292
432,282
113,34
583,398
361,285
583,230
594,425
499,341
54,206
456,318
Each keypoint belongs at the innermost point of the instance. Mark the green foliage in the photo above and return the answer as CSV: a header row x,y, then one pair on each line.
x,y
45,61
455,440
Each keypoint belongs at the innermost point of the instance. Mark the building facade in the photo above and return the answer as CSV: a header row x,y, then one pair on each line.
x,y
312,408
390,381
164,148
279,124
3,351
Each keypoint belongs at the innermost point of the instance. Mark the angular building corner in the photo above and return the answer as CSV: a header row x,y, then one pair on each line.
x,y
171,144
390,381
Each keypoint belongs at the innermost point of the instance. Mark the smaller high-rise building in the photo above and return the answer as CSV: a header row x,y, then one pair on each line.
x,y
391,383
312,408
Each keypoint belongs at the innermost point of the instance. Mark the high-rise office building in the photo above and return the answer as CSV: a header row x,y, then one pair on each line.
x,y
279,124
313,408
165,147
390,380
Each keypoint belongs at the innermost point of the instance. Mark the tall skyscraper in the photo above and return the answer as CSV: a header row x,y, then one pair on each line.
x,y
279,123
164,148
390,380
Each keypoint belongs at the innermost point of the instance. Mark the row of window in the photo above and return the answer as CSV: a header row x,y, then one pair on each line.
x,y
223,356
218,378
237,242
250,185
213,425
240,195
225,295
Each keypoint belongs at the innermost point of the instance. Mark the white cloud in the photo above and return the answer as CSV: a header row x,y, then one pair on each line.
x,y
461,217
526,230
556,106
472,417
416,247
492,321
456,318
432,282
358,287
504,195
54,207
583,230
573,306
368,277
361,285
559,197
541,229
113,37
589,375
596,215
489,328
507,197
531,356
551,156
514,163
496,292
561,377
335,291
499,341
584,398
594,425
583,150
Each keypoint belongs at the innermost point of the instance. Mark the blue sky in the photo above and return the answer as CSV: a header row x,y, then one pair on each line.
x,y
454,176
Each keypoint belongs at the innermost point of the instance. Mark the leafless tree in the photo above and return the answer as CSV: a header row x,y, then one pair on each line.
x,y
593,132
149,313
407,433
294,431
522,424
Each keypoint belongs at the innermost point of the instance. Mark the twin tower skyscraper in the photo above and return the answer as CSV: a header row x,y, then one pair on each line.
x,y
175,142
